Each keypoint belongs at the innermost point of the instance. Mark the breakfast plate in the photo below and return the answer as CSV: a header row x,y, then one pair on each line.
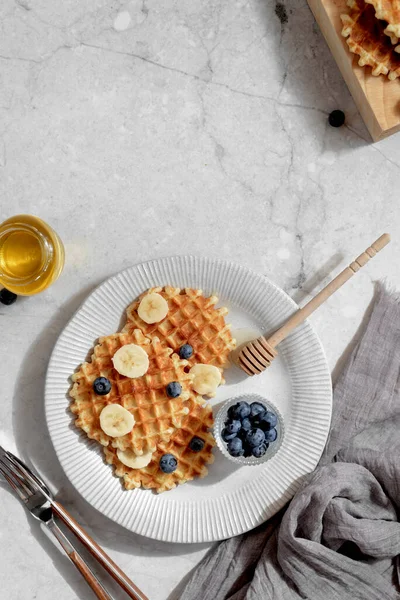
x,y
232,499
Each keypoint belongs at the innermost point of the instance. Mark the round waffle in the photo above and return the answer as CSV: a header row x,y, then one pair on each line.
x,y
192,319
156,414
190,464
366,37
389,11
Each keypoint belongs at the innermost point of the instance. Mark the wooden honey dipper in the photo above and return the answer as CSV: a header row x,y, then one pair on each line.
x,y
256,356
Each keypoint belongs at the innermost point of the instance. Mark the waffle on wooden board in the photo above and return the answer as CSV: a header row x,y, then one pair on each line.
x,y
366,37
377,96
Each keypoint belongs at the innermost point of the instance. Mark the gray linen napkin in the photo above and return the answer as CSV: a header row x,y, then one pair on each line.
x,y
339,538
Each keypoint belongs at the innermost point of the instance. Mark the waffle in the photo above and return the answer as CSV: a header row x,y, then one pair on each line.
x,y
365,37
156,415
190,464
389,11
192,319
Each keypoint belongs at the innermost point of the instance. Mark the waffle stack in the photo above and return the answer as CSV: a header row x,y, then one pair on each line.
x,y
372,29
163,425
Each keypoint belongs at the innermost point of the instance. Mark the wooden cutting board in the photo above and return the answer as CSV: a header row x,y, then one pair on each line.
x,y
377,98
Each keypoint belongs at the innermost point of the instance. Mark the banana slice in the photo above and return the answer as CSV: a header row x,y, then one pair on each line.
x,y
132,460
131,360
205,379
116,421
153,308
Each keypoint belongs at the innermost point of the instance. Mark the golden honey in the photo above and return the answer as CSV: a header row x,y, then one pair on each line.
x,y
31,255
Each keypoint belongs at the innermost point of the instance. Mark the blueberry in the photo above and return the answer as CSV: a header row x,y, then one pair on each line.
x,y
271,418
255,437
240,410
235,447
102,386
336,118
227,436
168,463
260,450
185,351
174,389
196,444
271,435
233,426
7,297
246,424
256,408
266,421
232,411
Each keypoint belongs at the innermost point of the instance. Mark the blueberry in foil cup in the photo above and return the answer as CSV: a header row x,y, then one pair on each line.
x,y
225,435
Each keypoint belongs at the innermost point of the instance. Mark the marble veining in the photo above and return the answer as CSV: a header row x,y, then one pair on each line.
x,y
150,128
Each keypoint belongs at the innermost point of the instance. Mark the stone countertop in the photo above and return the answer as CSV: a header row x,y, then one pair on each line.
x,y
148,129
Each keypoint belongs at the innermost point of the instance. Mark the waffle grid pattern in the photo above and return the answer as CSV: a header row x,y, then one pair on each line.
x,y
192,319
190,464
156,415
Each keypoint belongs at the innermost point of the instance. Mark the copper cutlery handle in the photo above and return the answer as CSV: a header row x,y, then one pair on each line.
x,y
77,560
123,580
88,575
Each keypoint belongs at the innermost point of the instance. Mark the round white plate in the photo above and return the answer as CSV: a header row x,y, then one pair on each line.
x,y
231,499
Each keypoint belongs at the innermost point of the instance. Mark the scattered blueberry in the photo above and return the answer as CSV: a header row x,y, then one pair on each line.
x,y
227,436
256,408
240,410
233,426
185,351
255,437
196,444
260,450
7,297
168,463
336,118
270,435
235,447
174,389
102,386
246,424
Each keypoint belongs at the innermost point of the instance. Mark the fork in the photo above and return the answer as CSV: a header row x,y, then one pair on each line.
x,y
41,509
36,495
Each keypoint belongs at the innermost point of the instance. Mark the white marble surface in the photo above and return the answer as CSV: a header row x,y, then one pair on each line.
x,y
150,128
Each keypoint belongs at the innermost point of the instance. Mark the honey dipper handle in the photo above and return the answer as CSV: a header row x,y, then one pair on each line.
x,y
330,289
